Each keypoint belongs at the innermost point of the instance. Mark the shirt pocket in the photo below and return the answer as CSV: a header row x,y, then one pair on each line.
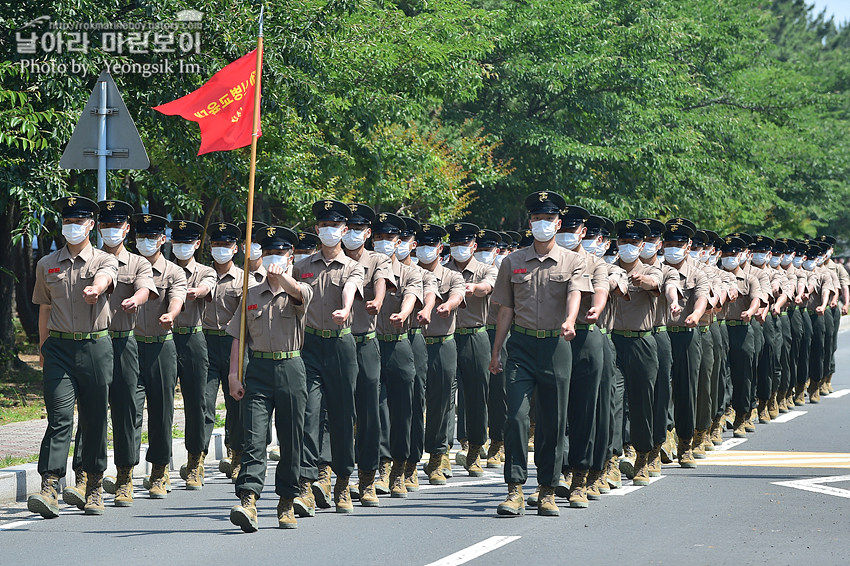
x,y
57,283
557,286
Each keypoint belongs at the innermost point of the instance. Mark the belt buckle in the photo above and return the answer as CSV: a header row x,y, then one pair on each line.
x,y
326,333
78,336
277,355
540,333
629,334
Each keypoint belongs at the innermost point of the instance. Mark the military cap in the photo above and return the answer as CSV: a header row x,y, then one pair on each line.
x,y
430,234
684,221
361,214
516,238
388,223
185,231
411,226
820,248
612,248
779,247
801,248
595,225
733,244
607,227
76,207
545,202
572,216
256,227
462,232
828,240
225,232
632,229
761,243
656,227
678,233
743,236
331,210
115,211
714,238
277,238
308,241
527,239
488,239
506,240
150,224
701,239
790,244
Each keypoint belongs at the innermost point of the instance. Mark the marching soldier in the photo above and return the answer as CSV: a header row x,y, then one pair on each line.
x,y
72,290
275,381
843,289
157,353
495,244
822,288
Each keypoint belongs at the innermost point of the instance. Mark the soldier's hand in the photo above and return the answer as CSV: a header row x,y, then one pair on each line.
x,y
90,295
691,321
798,300
833,303
192,293
443,311
129,305
373,307
805,296
470,289
675,309
340,316
495,366
396,320
776,310
760,316
819,309
845,309
746,316
423,318
733,294
166,321
568,331
237,390
592,314
40,359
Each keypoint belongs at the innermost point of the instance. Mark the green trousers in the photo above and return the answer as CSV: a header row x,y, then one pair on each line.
x,y
604,428
706,384
192,371
718,387
804,352
278,386
442,368
398,376
417,424
796,316
758,348
619,433
544,364
836,325
725,370
765,365
497,406
637,358
828,342
158,378
331,366
776,353
75,371
218,352
784,369
473,359
741,353
588,354
367,405
817,348
687,354
663,392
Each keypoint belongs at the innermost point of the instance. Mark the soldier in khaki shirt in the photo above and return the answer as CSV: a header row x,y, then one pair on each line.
x,y
842,294
330,357
275,381
783,311
539,289
473,344
822,289
157,353
398,368
71,289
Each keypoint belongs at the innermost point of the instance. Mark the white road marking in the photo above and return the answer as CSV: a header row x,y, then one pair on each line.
x,y
788,416
729,443
837,394
24,522
629,487
474,551
815,485
482,481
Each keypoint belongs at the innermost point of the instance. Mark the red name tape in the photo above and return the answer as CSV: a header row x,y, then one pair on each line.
x,y
306,275
54,270
252,307
520,271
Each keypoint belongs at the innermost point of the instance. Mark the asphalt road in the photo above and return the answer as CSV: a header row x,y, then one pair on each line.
x,y
729,510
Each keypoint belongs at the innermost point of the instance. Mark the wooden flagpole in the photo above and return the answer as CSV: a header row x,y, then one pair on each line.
x,y
250,218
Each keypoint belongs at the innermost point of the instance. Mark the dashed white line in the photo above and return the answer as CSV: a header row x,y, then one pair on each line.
x,y
788,416
474,551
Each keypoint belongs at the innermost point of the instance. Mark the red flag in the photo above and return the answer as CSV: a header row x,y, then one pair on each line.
x,y
223,107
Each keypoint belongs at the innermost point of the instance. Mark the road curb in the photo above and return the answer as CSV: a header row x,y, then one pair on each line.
x,y
17,482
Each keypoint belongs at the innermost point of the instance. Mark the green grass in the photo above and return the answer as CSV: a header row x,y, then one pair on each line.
x,y
9,461
219,421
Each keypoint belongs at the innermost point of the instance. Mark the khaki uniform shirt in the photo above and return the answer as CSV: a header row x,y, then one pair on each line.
x,y
694,285
669,278
193,310
59,283
820,283
537,287
375,266
477,308
274,322
749,288
764,283
635,311
328,278
597,269
448,283
429,285
224,299
408,282
134,273
717,284
621,279
170,281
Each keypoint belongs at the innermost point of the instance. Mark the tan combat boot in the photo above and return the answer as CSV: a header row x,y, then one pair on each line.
x,y
627,461
322,488
158,481
641,469
781,402
342,499
800,396
472,461
686,455
773,406
366,484
828,382
46,502
514,504
698,445
286,514
382,482
750,420
244,515
236,465
601,481
94,494
225,465
76,494
546,506
761,411
740,430
446,466
668,449
729,415
814,392
592,483
612,473
789,401
653,461
397,487
564,483
717,432
194,479
578,489
411,476
305,504
461,455
435,476
532,499
496,454
274,453
124,487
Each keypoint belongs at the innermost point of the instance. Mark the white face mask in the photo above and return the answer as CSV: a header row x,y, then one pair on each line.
x,y
426,254
730,263
299,257
497,261
544,230
628,252
331,235
774,261
280,260
610,258
461,253
759,259
402,250
590,245
75,233
786,260
183,251
486,257
820,260
696,255
353,239
147,246
712,259
600,250
674,255
386,247
112,237
648,250
809,264
798,261
829,253
222,255
567,240
256,252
